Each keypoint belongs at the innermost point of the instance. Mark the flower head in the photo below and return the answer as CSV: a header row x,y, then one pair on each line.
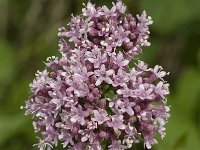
x,y
91,94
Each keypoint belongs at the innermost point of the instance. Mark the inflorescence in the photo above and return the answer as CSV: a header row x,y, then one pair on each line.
x,y
90,98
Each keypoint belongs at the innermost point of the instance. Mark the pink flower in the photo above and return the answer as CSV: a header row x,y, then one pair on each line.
x,y
90,10
119,60
117,122
100,116
103,75
126,106
78,115
91,93
120,79
116,145
126,92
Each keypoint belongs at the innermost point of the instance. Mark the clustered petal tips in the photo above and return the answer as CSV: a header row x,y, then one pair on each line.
x,y
90,98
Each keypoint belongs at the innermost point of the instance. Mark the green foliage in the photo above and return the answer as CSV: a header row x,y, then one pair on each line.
x,y
7,65
28,36
8,129
169,15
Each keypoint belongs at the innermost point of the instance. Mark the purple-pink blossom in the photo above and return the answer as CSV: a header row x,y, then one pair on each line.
x,y
103,75
90,94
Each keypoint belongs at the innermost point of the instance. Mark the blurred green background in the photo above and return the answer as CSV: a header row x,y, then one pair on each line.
x,y
28,35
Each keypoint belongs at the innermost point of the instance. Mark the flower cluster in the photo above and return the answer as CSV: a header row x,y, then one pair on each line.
x,y
90,98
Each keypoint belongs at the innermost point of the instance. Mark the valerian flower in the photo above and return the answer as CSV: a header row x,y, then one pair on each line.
x,y
125,106
126,92
90,95
117,122
90,10
103,75
100,116
119,60
116,145
78,115
120,79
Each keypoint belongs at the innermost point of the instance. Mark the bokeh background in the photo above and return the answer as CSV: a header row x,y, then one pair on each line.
x,y
28,35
